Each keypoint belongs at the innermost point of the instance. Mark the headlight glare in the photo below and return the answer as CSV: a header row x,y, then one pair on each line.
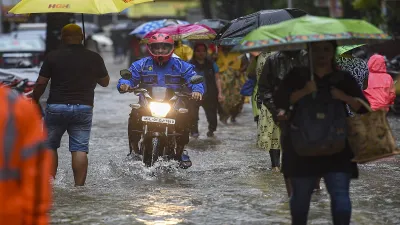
x,y
159,109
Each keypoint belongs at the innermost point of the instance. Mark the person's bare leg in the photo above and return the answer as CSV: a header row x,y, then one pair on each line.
x,y
318,184
79,167
55,163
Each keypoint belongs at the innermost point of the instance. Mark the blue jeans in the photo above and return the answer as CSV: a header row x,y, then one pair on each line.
x,y
338,185
75,119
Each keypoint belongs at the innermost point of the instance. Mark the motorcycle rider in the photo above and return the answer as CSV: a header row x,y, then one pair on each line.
x,y
161,69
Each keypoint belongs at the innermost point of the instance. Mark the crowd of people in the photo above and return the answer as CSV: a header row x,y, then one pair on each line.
x,y
281,95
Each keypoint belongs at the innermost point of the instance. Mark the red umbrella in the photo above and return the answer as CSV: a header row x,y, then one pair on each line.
x,y
188,32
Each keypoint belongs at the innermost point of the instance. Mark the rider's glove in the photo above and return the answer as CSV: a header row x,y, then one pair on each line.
x,y
124,88
197,96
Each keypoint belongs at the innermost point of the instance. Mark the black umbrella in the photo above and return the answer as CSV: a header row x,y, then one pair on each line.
x,y
235,30
215,24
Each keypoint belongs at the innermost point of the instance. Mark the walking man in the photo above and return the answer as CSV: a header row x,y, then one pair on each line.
x,y
74,72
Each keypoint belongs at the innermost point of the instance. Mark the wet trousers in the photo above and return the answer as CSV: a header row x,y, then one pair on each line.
x,y
275,155
338,185
210,107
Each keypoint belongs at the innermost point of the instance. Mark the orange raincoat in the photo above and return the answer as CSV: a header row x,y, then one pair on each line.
x,y
25,188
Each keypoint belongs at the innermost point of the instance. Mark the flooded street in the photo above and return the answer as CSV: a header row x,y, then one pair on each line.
x,y
229,182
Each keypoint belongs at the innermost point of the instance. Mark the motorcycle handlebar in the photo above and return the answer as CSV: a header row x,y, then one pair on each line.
x,y
183,94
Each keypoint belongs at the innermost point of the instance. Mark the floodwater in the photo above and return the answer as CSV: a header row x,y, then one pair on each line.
x,y
229,182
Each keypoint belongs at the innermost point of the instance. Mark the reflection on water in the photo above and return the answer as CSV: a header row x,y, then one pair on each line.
x,y
161,213
161,222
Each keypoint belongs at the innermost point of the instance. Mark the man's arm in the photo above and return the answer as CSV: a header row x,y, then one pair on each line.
x,y
40,87
43,79
103,79
104,82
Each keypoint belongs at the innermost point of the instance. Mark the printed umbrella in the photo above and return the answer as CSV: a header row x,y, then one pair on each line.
x,y
234,31
145,28
188,32
74,6
295,34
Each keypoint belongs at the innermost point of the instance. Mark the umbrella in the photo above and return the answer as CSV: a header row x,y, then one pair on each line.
x,y
298,33
295,34
233,32
145,28
74,6
188,32
345,48
215,24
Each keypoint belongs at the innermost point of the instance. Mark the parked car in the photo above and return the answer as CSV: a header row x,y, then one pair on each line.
x,y
26,30
21,52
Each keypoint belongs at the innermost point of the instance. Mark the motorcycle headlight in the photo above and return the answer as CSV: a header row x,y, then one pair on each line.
x,y
159,109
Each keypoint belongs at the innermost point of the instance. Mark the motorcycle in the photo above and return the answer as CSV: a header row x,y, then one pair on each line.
x,y
22,86
159,108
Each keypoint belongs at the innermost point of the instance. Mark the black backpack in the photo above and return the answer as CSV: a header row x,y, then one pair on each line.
x,y
318,126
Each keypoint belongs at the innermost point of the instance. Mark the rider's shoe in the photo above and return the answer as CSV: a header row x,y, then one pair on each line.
x,y
210,134
185,160
134,152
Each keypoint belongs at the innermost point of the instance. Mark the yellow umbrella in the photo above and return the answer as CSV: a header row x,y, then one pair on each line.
x,y
74,6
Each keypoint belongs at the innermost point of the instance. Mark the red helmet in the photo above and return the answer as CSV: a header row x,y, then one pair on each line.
x,y
160,47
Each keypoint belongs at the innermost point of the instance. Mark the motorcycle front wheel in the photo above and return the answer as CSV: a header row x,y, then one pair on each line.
x,y
151,151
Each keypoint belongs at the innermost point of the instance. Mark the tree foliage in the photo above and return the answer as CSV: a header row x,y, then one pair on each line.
x,y
370,10
366,4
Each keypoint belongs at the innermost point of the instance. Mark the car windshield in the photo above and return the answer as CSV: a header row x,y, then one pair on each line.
x,y
30,34
11,44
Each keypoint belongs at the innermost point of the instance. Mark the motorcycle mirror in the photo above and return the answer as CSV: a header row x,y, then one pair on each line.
x,y
197,79
125,74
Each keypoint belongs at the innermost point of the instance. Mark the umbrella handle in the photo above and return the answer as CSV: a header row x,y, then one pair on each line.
x,y
311,65
83,30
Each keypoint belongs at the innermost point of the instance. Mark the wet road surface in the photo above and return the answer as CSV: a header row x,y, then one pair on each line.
x,y
229,182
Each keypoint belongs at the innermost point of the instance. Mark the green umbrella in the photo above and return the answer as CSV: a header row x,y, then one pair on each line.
x,y
345,48
295,34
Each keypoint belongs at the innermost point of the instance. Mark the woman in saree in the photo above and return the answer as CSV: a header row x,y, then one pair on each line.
x,y
232,66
